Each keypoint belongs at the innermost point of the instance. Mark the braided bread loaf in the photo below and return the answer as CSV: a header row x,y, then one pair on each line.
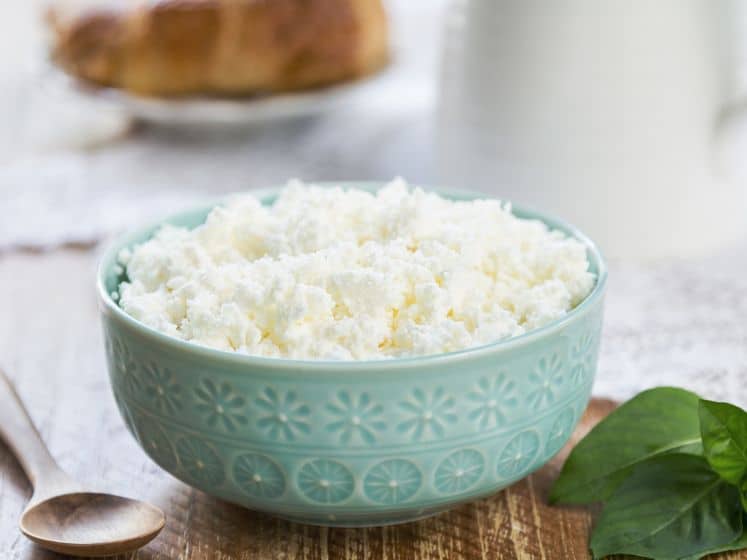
x,y
220,47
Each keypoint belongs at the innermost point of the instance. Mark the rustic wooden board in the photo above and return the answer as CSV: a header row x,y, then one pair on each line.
x,y
50,345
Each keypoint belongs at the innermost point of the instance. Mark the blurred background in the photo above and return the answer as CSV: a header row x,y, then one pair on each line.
x,y
85,166
622,117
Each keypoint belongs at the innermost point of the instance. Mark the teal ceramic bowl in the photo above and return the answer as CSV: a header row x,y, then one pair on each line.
x,y
351,443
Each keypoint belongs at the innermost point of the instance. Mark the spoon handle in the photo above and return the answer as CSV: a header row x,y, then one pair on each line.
x,y
19,433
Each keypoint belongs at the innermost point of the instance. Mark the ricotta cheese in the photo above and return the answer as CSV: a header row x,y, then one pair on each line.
x,y
343,274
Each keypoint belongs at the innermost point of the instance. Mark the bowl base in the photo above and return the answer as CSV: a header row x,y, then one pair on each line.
x,y
368,521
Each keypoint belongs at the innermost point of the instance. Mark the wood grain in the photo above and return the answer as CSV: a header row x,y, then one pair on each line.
x,y
50,345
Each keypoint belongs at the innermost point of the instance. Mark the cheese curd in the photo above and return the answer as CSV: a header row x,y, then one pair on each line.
x,y
343,274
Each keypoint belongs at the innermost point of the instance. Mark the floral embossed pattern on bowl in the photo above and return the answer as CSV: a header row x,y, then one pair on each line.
x,y
351,443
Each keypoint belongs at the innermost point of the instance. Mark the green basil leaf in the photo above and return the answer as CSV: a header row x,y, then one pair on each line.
x,y
669,507
655,422
723,428
739,544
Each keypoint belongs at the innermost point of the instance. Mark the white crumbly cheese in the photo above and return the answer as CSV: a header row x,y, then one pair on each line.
x,y
348,275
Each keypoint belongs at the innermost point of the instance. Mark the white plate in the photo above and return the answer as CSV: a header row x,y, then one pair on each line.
x,y
190,111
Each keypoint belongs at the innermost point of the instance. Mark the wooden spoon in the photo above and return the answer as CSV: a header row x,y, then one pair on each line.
x,y
62,516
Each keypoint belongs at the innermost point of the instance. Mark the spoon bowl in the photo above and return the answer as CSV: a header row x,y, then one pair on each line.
x,y
91,524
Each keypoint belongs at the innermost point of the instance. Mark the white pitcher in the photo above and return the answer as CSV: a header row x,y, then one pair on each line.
x,y
607,113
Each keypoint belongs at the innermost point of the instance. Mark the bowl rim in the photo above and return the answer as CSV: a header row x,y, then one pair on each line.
x,y
127,239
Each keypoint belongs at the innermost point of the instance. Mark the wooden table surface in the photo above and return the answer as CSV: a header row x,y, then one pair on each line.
x,y
50,345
